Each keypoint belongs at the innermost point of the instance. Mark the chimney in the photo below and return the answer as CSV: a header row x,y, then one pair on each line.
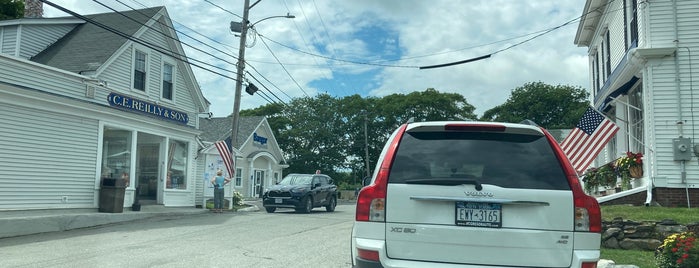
x,y
33,9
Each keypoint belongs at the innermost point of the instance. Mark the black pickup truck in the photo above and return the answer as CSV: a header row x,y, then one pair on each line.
x,y
302,192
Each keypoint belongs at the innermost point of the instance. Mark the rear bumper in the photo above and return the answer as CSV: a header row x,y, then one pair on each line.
x,y
372,239
361,263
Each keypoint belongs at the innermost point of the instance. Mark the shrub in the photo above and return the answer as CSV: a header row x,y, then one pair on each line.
x,y
237,199
678,251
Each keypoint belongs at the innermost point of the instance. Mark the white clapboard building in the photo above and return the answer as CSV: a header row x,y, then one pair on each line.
x,y
80,103
644,66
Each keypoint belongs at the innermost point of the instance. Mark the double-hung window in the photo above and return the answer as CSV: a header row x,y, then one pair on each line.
x,y
139,71
238,177
167,81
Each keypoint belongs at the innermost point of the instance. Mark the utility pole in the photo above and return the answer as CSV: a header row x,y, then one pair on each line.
x,y
244,26
239,77
366,146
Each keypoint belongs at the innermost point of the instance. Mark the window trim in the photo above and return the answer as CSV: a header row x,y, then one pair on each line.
x,y
145,51
608,56
162,79
185,172
238,177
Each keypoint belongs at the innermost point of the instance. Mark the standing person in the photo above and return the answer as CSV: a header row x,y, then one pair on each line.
x,y
219,181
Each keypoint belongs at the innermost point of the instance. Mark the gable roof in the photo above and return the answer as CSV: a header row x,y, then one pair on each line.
x,y
219,128
89,46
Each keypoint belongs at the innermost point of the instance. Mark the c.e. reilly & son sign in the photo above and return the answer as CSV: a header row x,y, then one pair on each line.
x,y
133,104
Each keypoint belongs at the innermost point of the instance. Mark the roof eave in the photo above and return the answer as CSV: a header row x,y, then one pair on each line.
x,y
589,21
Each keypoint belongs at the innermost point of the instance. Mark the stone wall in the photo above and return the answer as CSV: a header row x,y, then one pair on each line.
x,y
644,235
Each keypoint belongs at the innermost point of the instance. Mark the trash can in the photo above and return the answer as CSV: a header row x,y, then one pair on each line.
x,y
112,195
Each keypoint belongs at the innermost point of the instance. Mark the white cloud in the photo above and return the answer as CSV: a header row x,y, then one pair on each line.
x,y
421,32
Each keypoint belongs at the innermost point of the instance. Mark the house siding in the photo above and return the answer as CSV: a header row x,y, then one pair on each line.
x,y
39,172
671,96
667,84
53,132
121,67
50,80
8,43
36,38
118,75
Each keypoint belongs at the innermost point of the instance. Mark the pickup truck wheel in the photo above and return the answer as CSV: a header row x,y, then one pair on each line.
x,y
331,204
270,209
307,205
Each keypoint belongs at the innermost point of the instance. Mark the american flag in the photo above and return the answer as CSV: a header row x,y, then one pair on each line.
x,y
588,138
225,153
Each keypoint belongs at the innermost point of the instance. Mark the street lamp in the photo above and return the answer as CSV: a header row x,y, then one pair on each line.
x,y
241,64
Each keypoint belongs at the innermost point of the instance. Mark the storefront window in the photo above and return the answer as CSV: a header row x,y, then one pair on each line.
x,y
177,165
116,154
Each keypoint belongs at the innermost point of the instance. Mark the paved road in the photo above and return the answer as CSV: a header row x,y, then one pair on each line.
x,y
242,239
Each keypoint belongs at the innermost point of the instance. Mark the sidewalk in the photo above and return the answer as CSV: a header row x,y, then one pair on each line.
x,y
26,222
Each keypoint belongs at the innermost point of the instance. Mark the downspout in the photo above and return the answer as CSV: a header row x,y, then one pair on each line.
x,y
680,120
641,9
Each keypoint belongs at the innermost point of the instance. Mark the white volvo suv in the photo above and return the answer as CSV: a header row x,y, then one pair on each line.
x,y
474,194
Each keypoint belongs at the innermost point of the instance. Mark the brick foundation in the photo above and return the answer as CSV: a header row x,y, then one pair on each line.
x,y
665,197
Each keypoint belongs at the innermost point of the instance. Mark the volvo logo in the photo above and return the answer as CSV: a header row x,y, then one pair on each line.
x,y
479,194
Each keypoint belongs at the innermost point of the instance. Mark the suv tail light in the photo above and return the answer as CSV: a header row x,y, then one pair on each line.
x,y
371,201
589,265
588,217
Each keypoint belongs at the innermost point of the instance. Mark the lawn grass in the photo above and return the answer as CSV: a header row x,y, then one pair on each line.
x,y
643,259
640,213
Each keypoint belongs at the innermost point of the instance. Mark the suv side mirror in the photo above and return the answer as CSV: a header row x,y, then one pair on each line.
x,y
316,185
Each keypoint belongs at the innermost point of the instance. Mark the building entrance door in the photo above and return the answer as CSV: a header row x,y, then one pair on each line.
x,y
259,183
148,171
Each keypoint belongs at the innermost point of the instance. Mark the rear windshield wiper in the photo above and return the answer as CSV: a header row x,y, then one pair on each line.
x,y
446,181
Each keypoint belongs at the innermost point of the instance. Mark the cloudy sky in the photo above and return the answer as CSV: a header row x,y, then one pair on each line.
x,y
373,48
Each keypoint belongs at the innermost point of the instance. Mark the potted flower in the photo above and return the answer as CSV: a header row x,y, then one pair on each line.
x,y
600,176
629,166
678,250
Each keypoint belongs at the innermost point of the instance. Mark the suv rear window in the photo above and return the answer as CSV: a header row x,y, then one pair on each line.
x,y
502,159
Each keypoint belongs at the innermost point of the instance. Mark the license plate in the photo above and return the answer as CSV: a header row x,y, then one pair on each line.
x,y
479,214
278,200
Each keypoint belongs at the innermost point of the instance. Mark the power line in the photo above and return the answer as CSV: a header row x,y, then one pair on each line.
x,y
285,70
221,8
258,72
377,63
334,59
265,87
512,46
169,36
177,56
178,31
305,42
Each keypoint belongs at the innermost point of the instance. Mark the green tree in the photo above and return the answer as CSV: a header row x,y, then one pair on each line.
x,y
11,9
549,106
328,133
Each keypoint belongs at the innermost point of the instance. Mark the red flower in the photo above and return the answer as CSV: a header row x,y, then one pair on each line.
x,y
684,256
674,249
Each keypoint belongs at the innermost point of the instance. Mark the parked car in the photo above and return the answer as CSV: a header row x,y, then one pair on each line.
x,y
474,194
302,192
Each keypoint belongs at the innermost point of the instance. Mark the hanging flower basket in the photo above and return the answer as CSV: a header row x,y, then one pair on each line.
x,y
636,171
629,166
